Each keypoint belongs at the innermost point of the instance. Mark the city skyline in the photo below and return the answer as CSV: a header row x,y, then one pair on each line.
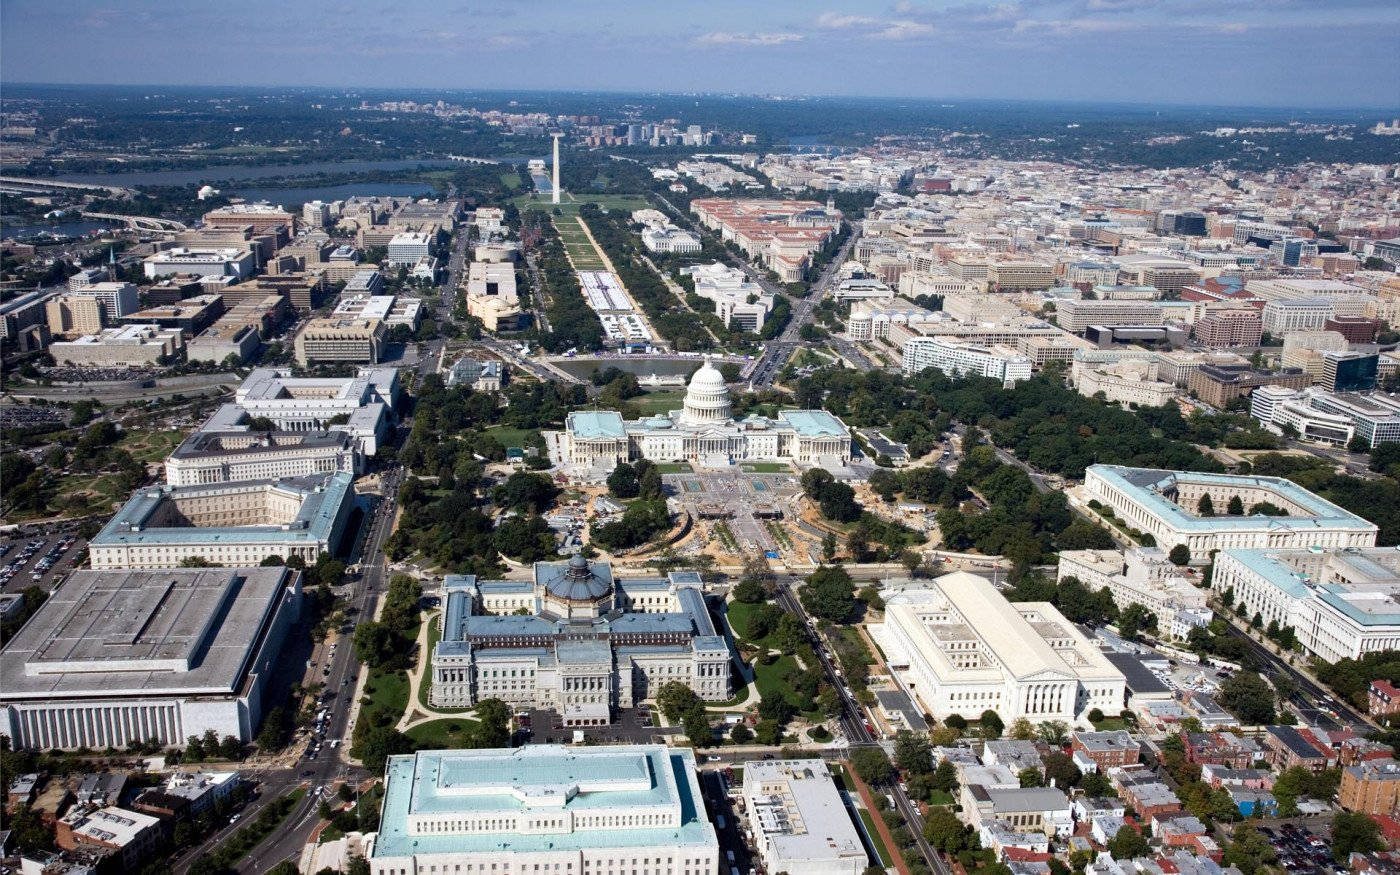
x,y
1175,52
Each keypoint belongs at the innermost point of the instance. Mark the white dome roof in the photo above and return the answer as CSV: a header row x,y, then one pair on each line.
x,y
708,378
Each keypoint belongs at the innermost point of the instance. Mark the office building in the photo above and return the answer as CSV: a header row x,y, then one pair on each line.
x,y
576,640
333,339
1289,411
1165,505
1375,417
1349,371
1124,382
1143,576
207,457
1075,316
1284,316
124,656
24,320
189,315
798,820
670,239
72,315
362,405
780,235
1236,326
958,358
118,299
207,261
130,346
1340,602
220,341
392,310
739,302
259,217
704,433
1283,288
1013,276
1218,385
959,647
408,248
567,810
1356,329
871,320
233,524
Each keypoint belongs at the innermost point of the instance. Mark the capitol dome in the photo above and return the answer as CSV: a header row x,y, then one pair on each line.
x,y
706,397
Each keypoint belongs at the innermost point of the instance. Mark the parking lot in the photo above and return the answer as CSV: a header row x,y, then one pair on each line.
x,y
1301,847
39,560
632,726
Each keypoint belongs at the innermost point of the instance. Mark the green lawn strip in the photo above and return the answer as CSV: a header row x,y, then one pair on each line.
x,y
386,691
425,683
674,468
663,401
770,678
445,734
940,797
510,180
767,468
738,617
876,838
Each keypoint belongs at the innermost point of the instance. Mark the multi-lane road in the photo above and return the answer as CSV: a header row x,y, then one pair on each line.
x,y
853,724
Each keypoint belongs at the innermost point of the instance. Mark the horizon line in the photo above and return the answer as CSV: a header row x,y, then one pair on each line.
x,y
764,95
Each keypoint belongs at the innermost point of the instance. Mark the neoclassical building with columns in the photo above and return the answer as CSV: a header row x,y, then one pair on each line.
x,y
704,432
958,646
577,640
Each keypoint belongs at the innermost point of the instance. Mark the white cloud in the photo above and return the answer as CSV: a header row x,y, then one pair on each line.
x,y
726,38
875,28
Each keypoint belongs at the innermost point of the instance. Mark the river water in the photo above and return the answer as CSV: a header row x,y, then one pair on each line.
x,y
215,175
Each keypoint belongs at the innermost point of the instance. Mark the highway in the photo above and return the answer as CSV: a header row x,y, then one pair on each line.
x,y
853,725
1310,693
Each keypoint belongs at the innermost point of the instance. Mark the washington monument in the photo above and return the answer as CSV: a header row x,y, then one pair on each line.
x,y
556,166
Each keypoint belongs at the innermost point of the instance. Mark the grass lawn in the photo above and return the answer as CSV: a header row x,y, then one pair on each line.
x,y
444,734
148,446
610,202
940,797
660,401
514,437
770,678
739,613
1109,724
766,468
386,691
674,468
510,180
885,859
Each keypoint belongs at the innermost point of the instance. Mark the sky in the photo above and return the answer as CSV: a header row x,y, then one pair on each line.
x,y
1295,53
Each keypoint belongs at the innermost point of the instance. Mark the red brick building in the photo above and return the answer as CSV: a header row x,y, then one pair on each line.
x,y
1382,699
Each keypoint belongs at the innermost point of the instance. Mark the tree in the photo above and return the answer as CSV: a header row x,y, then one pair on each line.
x,y
1030,777
944,831
1180,555
912,753
1249,697
740,734
956,722
378,743
1022,730
1096,785
676,699
991,724
749,590
789,635
1134,619
1127,844
1060,771
697,729
829,594
945,777
493,728
622,482
1205,507
1235,506
1248,850
873,766
230,748
1354,831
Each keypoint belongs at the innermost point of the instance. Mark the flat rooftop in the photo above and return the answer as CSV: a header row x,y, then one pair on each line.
x,y
172,631
1152,486
517,781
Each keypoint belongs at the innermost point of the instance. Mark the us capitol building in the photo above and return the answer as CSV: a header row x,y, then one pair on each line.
x,y
576,640
705,432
